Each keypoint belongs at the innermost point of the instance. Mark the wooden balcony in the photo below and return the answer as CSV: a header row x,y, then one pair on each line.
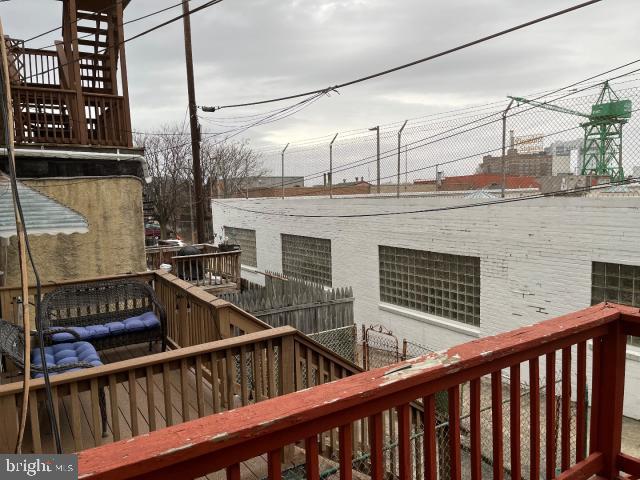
x,y
587,348
75,93
221,358
214,271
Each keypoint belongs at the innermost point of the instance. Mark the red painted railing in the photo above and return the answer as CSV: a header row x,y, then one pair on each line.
x,y
225,440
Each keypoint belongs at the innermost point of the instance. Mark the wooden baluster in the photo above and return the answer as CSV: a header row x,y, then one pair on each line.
x,y
215,382
76,415
581,400
34,422
233,472
133,403
115,415
534,418
476,453
404,442
184,389
166,386
244,378
231,378
344,434
454,433
611,372
565,453
257,371
550,412
271,369
199,387
95,412
311,458
274,467
376,440
496,424
514,401
151,404
429,441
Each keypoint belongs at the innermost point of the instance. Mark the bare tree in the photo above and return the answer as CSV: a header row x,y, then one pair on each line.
x,y
229,166
167,153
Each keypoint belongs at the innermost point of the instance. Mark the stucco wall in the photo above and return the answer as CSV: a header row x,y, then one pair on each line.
x,y
115,240
535,256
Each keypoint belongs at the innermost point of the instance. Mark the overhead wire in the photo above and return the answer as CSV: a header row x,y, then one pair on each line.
x,y
410,64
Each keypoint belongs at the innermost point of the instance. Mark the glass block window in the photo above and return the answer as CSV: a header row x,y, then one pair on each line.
x,y
617,283
436,283
247,240
307,258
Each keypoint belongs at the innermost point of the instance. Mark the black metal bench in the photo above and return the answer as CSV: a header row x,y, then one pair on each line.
x,y
108,314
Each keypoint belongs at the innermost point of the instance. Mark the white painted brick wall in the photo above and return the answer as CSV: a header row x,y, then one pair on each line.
x,y
535,255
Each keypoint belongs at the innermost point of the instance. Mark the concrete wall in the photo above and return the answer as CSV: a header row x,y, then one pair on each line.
x,y
115,240
535,255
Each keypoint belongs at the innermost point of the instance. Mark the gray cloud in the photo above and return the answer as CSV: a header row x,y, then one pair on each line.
x,y
251,49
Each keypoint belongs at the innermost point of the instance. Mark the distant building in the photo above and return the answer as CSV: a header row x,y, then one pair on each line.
x,y
271,182
537,164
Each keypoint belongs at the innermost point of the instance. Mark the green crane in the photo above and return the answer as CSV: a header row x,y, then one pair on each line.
x,y
602,147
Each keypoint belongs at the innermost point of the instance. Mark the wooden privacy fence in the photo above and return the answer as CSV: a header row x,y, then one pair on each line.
x,y
308,307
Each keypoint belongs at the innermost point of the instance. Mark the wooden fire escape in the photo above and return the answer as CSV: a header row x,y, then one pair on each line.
x,y
70,94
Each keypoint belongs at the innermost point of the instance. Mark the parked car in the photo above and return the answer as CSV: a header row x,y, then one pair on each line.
x,y
152,230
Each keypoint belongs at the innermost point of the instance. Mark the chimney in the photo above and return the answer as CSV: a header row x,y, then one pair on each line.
x,y
512,139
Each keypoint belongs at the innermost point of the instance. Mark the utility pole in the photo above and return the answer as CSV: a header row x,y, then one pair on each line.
x,y
195,128
377,129
282,172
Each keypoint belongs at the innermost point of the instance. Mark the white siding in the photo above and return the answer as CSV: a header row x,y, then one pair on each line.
x,y
535,255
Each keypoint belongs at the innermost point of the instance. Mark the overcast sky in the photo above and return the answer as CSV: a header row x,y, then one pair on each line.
x,y
252,49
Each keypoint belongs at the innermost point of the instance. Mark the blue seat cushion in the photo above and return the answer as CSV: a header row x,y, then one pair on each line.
x,y
65,353
146,321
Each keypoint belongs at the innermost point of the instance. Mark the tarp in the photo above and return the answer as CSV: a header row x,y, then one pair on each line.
x,y
42,214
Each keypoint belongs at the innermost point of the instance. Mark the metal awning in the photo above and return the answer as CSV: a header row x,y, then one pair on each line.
x,y
42,214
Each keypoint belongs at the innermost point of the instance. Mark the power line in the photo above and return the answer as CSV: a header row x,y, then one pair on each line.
x,y
410,64
141,34
538,96
128,22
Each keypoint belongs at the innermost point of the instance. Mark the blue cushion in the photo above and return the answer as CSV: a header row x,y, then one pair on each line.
x,y
65,353
146,321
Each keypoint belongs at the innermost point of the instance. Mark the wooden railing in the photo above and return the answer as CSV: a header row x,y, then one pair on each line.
x,y
48,108
156,256
209,269
148,393
106,118
225,440
195,316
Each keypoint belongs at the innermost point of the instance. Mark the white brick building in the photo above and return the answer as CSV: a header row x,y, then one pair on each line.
x,y
535,255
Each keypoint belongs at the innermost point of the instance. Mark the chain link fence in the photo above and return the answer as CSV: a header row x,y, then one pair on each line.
x,y
546,142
